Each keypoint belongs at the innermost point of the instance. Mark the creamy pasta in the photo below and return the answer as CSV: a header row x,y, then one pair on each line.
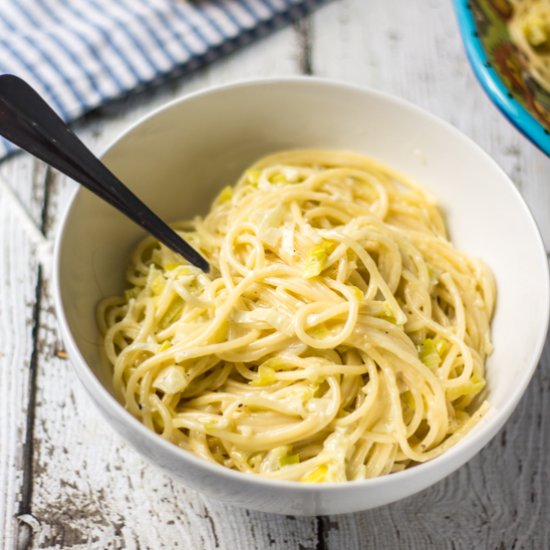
x,y
339,335
530,31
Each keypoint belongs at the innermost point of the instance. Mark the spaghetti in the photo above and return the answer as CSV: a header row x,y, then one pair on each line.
x,y
530,31
340,335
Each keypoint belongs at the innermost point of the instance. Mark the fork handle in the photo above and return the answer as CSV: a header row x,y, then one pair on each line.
x,y
29,122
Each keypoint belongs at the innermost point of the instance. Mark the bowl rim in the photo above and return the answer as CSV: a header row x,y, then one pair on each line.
x,y
493,85
476,439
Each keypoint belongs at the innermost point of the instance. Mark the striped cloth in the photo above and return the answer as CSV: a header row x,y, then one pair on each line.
x,y
82,53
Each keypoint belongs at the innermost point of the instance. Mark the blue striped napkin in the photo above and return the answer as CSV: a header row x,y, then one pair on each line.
x,y
81,53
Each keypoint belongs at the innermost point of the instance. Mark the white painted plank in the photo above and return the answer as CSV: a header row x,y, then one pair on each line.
x,y
414,50
18,279
27,179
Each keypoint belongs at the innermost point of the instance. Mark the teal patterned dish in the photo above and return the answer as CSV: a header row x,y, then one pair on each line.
x,y
498,66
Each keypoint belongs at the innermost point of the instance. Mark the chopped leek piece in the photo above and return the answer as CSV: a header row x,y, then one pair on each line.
x,y
226,194
320,331
158,285
472,387
441,346
317,475
388,314
210,425
428,354
170,267
164,346
278,457
171,380
316,258
172,313
271,236
357,292
184,271
269,221
279,179
253,176
287,460
275,363
266,376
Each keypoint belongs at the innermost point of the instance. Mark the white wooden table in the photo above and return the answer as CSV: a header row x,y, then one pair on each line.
x,y
67,481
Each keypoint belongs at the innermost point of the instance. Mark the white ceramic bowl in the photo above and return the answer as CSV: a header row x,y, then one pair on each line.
x,y
177,159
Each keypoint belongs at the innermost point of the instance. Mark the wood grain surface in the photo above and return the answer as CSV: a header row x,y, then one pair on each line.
x,y
67,481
